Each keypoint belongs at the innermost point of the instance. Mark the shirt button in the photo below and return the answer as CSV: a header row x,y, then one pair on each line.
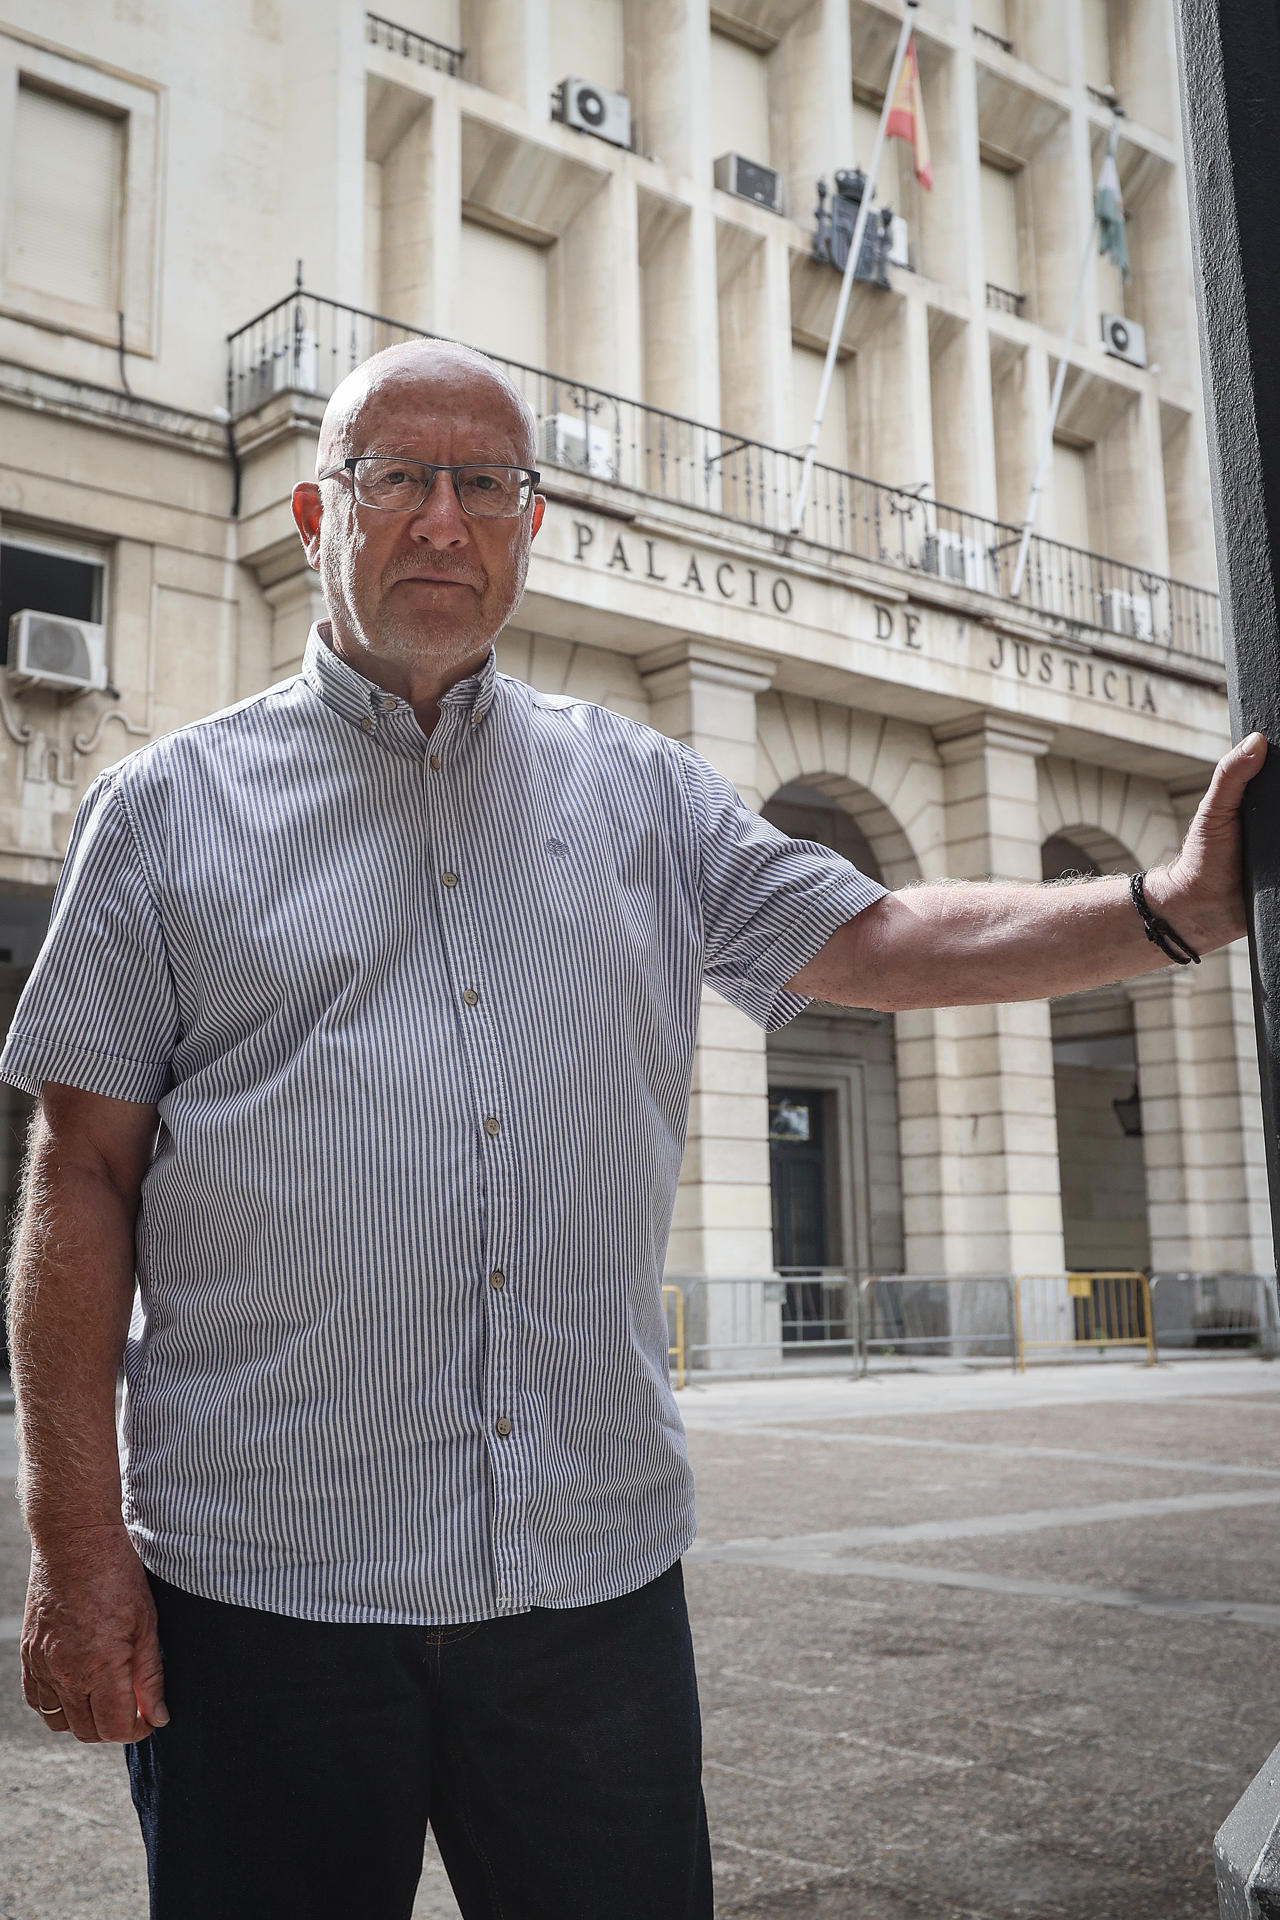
x,y
493,1126
436,762
497,1279
366,725
450,879
502,1426
471,996
387,702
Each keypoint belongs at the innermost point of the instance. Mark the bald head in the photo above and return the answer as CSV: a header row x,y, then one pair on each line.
x,y
437,374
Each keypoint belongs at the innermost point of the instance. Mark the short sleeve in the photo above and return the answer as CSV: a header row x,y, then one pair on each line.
x,y
769,903
99,1010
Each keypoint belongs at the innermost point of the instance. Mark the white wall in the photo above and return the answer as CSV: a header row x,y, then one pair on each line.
x,y
502,294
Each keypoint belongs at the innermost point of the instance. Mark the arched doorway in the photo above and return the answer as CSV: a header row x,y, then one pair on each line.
x,y
1099,1109
834,1160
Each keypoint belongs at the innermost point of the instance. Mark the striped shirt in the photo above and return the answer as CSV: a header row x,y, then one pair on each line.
x,y
419,1019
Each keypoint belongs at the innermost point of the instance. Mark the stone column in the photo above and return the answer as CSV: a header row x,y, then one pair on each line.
x,y
992,1125
704,693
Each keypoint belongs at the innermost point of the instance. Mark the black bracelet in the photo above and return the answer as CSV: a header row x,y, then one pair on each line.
x,y
1158,931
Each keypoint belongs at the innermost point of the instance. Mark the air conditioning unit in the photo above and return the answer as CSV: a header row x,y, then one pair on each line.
x,y
295,364
1124,339
593,110
957,556
53,650
570,441
750,181
1128,613
896,252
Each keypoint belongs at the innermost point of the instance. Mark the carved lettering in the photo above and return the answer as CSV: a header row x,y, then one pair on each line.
x,y
693,578
751,575
583,535
781,595
651,572
726,566
997,659
884,622
1045,674
912,621
618,558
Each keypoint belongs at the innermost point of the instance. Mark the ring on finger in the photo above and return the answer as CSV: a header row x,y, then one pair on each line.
x,y
50,1710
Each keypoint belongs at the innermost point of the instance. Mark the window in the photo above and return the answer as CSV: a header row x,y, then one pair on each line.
x,y
806,378
1071,494
739,100
586,42
502,295
78,196
1000,227
67,182
1097,45
47,578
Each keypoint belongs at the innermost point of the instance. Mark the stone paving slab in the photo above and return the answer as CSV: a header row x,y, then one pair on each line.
x,y
885,1748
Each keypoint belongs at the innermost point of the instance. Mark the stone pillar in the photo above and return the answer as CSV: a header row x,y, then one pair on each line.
x,y
992,1126
1163,1037
705,694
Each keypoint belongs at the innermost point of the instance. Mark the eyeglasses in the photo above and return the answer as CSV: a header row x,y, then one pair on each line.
x,y
393,485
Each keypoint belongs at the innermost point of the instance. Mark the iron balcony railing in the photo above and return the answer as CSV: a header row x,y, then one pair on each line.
x,y
306,343
1005,300
413,46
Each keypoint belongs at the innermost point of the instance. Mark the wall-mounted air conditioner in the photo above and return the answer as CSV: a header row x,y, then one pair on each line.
x,y
957,556
293,363
897,251
593,110
53,650
570,441
1124,339
1128,613
749,180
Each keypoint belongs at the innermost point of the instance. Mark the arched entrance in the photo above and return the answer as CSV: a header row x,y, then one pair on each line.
x,y
1099,1109
834,1160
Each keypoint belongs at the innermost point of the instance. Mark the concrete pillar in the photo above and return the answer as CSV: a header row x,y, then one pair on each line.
x,y
1162,1031
992,1124
705,694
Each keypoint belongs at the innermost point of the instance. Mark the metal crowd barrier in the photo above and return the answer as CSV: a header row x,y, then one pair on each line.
x,y
959,1316
824,1321
673,1307
1069,1313
1217,1312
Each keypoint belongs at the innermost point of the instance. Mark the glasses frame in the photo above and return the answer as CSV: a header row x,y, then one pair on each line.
x,y
429,471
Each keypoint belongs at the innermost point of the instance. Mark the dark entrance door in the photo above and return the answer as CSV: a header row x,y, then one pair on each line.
x,y
801,1150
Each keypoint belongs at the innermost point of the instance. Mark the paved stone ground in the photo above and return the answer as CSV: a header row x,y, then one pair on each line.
x,y
971,1647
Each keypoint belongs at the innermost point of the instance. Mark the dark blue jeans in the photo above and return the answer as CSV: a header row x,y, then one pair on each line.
x,y
556,1754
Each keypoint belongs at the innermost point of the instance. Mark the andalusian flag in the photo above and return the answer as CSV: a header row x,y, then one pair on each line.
x,y
1108,207
906,115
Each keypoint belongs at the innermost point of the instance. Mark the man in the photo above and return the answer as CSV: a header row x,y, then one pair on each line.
x,y
363,1036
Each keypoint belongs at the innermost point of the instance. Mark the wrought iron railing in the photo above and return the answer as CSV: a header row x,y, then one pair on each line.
x,y
306,343
413,46
1005,300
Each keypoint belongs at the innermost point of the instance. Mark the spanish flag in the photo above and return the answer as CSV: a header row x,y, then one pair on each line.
x,y
906,115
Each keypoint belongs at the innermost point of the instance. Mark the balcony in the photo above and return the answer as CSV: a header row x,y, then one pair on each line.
x,y
308,344
413,46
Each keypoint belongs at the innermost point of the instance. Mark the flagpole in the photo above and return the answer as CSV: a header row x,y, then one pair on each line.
x,y
1060,381
850,270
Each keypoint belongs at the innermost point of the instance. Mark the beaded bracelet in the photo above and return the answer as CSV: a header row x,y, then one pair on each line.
x,y
1158,931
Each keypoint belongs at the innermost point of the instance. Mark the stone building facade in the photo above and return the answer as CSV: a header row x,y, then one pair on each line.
x,y
207,214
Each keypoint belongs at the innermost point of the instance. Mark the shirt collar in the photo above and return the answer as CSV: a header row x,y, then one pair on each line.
x,y
348,692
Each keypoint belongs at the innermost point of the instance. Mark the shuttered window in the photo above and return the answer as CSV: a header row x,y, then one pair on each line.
x,y
502,295
67,183
1000,227
739,100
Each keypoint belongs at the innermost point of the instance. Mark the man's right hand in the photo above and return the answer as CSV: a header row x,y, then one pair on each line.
x,y
89,1642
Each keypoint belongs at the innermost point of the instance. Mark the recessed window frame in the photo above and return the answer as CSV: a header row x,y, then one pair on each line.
x,y
42,540
137,103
